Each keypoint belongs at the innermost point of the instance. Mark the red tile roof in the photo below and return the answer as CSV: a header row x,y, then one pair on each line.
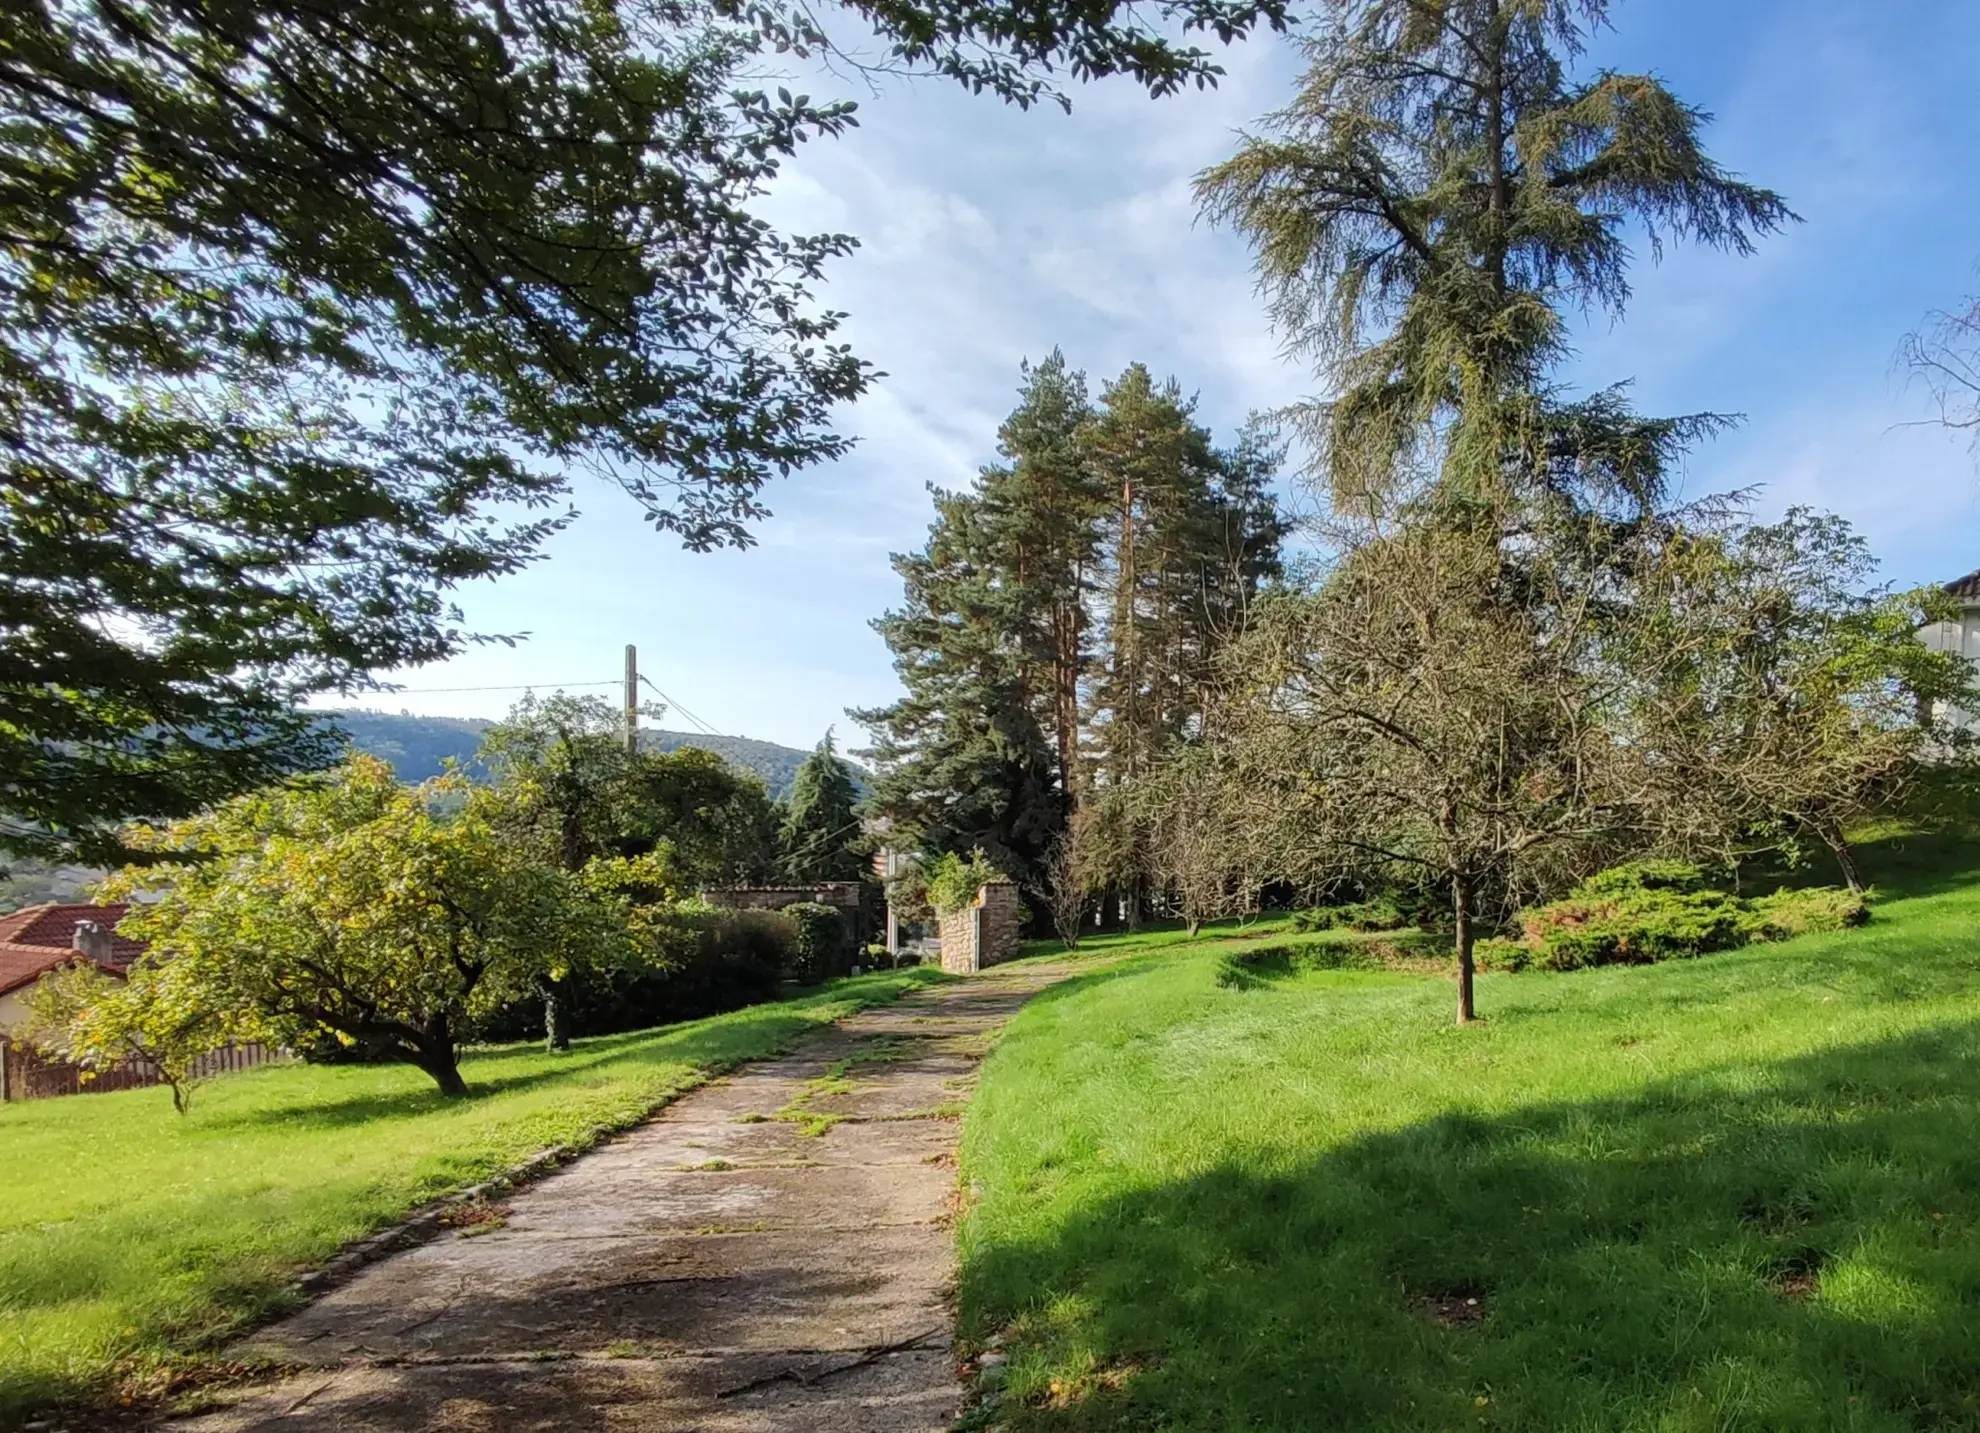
x,y
36,940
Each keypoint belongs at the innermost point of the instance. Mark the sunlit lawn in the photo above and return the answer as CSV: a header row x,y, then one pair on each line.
x,y
132,1239
1740,1192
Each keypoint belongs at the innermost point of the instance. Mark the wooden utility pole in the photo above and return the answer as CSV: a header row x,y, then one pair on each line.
x,y
632,700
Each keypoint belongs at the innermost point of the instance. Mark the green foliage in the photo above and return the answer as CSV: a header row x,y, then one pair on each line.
x,y
1662,910
1807,910
132,1247
1441,195
350,907
97,1021
1796,692
1633,876
1386,912
1257,965
821,838
1059,624
1733,1193
285,362
701,962
574,790
820,947
307,315
953,882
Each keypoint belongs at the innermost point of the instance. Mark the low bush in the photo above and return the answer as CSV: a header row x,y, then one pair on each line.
x,y
819,946
1659,910
1786,914
1393,910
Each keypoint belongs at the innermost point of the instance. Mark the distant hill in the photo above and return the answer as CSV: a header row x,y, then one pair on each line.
x,y
418,747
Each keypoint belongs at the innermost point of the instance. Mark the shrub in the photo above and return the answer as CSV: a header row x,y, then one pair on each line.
x,y
1393,910
953,881
1641,876
1660,910
1786,914
1247,969
1499,953
707,962
1633,927
819,948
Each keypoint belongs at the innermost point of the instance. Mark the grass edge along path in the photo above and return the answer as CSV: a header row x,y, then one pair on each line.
x,y
134,1244
1740,1192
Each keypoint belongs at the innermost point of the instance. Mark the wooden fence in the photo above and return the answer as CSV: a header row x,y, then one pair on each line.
x,y
25,1075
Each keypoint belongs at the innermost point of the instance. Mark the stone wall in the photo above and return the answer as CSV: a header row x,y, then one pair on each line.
x,y
983,934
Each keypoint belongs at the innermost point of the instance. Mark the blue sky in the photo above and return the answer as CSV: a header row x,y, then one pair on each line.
x,y
990,236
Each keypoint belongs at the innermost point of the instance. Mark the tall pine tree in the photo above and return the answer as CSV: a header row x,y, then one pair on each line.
x,y
1018,700
1188,535
820,837
1439,195
962,761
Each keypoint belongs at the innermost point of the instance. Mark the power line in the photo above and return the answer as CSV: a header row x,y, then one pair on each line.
x,y
706,729
509,687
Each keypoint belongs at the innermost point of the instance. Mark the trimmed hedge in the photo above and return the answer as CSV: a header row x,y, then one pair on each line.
x,y
1660,910
714,961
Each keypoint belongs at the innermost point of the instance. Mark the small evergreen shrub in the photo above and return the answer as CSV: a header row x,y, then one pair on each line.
x,y
819,947
1642,876
1660,910
1396,909
1382,913
1500,953
1786,914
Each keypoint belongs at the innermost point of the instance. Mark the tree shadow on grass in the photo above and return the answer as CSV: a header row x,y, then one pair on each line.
x,y
717,1040
1766,1247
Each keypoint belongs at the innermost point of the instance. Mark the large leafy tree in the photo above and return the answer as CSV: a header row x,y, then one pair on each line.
x,y
1440,194
576,794
821,837
1795,695
307,313
1438,712
355,908
581,796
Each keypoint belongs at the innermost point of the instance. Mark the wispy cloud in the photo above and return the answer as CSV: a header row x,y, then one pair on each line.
x,y
989,236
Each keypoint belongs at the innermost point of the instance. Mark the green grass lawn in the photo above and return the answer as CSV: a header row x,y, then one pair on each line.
x,y
133,1241
1739,1192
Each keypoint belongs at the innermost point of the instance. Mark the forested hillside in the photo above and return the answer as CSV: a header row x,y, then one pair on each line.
x,y
418,746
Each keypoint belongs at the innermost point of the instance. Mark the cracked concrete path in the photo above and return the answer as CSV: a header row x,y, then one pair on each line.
x,y
769,1252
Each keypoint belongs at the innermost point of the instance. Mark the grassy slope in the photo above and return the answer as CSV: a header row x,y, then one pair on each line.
x,y
1741,1192
131,1239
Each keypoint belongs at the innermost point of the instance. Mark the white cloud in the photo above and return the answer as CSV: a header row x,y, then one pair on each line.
x,y
990,235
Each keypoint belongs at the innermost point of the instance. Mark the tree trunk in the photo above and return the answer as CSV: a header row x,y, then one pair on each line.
x,y
1845,855
439,1059
1467,1010
556,1039
1195,925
